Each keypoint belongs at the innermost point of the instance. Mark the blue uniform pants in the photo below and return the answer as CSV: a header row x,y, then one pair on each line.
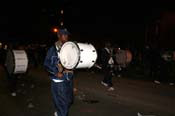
x,y
62,93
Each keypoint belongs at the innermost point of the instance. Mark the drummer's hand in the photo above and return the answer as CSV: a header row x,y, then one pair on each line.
x,y
60,67
59,75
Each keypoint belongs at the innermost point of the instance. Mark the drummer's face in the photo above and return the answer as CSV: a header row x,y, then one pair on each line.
x,y
63,38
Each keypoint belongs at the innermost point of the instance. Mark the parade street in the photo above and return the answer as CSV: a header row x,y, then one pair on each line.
x,y
132,97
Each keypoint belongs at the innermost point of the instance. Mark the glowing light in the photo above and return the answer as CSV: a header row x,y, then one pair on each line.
x,y
62,11
61,23
55,30
5,47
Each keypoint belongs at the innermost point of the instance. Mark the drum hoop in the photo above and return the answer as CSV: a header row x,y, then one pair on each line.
x,y
13,70
27,60
78,54
14,61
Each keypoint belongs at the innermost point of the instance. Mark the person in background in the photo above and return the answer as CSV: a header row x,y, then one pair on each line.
x,y
12,78
107,66
2,56
155,62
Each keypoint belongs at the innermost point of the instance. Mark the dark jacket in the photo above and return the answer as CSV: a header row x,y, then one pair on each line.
x,y
105,56
51,64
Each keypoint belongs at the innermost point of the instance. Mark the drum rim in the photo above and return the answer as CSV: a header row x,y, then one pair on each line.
x,y
27,60
13,68
14,62
74,67
79,56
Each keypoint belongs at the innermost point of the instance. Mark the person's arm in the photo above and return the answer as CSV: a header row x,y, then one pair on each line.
x,y
104,58
49,64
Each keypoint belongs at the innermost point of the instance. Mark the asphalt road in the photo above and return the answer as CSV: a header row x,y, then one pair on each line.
x,y
131,96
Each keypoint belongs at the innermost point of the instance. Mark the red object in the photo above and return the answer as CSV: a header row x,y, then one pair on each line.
x,y
128,56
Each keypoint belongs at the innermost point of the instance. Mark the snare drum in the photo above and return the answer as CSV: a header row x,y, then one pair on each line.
x,y
77,55
16,61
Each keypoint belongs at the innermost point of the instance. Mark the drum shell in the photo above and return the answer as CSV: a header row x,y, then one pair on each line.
x,y
16,61
128,56
88,55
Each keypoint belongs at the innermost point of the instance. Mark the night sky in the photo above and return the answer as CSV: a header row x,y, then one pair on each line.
x,y
122,21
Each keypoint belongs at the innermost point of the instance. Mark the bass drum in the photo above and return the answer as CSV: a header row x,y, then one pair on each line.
x,y
123,57
16,61
77,55
128,56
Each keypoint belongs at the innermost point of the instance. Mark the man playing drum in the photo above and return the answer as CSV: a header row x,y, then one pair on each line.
x,y
61,78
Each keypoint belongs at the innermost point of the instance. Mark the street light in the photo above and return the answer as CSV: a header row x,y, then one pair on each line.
x,y
61,23
55,30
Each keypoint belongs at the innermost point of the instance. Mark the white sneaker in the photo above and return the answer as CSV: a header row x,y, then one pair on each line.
x,y
111,89
105,84
157,82
13,94
55,114
30,105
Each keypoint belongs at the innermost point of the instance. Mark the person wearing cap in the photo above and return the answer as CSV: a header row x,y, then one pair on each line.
x,y
61,79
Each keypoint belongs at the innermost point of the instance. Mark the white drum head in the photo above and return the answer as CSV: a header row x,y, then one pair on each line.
x,y
69,55
10,62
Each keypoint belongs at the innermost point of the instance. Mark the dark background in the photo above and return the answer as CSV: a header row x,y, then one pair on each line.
x,y
123,22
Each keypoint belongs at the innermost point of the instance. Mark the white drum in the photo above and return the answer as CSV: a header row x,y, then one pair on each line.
x,y
77,55
16,61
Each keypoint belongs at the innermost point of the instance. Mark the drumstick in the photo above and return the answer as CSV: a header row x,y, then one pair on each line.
x,y
97,66
60,67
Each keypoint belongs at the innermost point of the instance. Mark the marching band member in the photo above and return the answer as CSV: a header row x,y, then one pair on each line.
x,y
108,66
61,79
